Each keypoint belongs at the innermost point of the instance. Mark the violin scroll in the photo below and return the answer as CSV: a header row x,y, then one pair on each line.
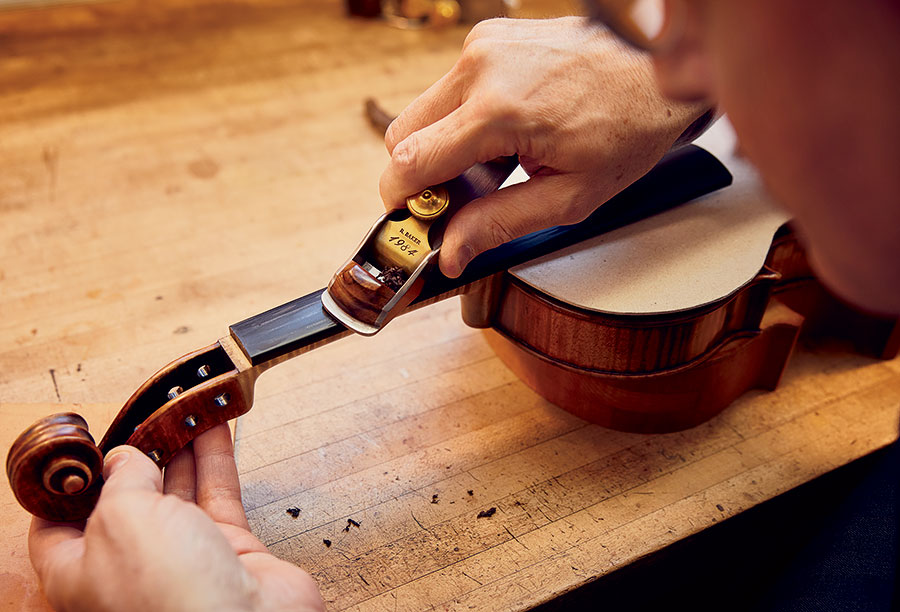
x,y
55,468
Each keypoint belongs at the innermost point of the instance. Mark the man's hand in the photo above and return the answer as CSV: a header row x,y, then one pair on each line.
x,y
182,544
580,109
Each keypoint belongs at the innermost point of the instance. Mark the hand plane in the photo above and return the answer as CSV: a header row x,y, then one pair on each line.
x,y
389,267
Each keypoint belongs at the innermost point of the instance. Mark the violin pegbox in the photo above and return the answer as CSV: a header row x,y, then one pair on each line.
x,y
185,398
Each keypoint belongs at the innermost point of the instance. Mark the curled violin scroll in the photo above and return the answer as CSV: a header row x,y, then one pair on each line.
x,y
55,468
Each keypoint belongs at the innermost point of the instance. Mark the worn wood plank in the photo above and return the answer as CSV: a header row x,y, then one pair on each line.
x,y
566,492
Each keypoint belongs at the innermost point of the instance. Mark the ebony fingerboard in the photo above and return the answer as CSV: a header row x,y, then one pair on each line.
x,y
682,175
285,329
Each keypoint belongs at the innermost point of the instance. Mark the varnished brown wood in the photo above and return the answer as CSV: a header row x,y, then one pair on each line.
x,y
359,293
194,370
623,344
667,400
170,429
667,372
55,468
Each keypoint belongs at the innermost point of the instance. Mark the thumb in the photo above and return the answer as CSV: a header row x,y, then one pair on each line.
x,y
125,468
538,203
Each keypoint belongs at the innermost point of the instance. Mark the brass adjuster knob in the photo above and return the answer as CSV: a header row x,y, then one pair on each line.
x,y
428,204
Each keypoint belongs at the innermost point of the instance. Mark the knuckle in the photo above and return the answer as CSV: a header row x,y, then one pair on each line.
x,y
477,32
401,171
475,54
405,156
486,28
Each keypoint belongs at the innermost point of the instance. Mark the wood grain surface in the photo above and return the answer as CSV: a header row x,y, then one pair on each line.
x,y
173,167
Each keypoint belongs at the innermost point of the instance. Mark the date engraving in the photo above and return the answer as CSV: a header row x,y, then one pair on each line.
x,y
403,245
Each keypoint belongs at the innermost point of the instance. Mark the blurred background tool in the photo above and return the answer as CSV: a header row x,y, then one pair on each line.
x,y
416,14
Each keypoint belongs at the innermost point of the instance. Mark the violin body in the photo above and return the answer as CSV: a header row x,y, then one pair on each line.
x,y
660,325
671,371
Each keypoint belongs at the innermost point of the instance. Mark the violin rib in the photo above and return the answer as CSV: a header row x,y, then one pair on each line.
x,y
671,371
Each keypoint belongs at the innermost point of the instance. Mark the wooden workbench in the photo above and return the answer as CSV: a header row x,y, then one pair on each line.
x,y
173,167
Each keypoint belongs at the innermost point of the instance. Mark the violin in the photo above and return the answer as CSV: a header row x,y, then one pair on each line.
x,y
641,371
55,467
691,309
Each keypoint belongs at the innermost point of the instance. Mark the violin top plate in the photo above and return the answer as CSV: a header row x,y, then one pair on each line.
x,y
680,259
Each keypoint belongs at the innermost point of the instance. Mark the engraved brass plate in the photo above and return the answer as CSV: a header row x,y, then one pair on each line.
x,y
403,244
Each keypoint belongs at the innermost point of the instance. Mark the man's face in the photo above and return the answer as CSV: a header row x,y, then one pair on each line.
x,y
813,91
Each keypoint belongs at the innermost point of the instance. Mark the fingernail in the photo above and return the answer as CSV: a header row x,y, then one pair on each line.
x,y
115,459
464,255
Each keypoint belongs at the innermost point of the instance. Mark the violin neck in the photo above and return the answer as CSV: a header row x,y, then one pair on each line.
x,y
302,324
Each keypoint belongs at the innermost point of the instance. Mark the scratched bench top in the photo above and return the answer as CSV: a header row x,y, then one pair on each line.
x,y
170,169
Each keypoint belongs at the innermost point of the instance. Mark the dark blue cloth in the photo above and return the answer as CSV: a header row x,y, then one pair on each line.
x,y
829,545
